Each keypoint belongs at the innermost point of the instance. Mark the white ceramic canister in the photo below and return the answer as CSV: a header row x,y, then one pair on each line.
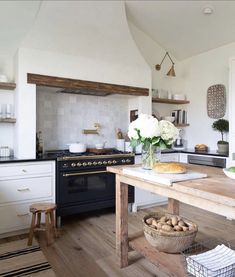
x,y
128,147
120,144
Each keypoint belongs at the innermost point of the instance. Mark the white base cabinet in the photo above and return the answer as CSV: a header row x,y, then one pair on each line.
x,y
143,198
22,184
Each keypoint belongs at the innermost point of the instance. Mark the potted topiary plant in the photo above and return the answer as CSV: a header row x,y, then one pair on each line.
x,y
221,125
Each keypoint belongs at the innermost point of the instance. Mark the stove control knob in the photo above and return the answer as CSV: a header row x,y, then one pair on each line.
x,y
109,162
128,161
73,164
114,162
79,164
99,163
104,162
84,164
89,163
123,161
94,163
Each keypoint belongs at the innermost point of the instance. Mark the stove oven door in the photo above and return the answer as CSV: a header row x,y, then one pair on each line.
x,y
87,187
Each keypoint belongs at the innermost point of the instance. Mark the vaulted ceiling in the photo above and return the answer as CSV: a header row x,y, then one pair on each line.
x,y
178,26
181,27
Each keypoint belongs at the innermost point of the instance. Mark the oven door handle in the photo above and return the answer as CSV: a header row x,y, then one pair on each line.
x,y
83,173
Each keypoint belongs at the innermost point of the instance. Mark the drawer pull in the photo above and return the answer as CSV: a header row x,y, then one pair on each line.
x,y
24,170
23,189
20,215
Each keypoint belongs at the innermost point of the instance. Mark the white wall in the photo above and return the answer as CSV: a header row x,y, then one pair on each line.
x,y
153,54
198,73
193,77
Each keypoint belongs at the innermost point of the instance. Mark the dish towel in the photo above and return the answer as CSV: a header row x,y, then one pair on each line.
x,y
219,261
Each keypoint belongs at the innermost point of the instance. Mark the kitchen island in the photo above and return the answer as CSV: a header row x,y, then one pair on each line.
x,y
216,194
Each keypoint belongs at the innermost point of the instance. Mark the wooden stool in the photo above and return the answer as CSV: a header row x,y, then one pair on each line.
x,y
50,228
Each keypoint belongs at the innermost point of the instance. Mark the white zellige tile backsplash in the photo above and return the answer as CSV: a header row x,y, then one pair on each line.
x,y
62,117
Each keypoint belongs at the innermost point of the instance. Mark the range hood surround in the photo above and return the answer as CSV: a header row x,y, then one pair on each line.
x,y
74,44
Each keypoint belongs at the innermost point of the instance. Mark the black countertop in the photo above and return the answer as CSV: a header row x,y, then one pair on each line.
x,y
167,151
16,160
192,151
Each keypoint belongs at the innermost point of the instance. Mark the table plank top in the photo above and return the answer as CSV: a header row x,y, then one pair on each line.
x,y
216,187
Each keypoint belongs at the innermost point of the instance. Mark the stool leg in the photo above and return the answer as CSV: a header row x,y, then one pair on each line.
x,y
31,233
39,220
48,227
54,229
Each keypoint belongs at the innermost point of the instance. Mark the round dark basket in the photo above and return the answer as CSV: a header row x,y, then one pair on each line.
x,y
169,242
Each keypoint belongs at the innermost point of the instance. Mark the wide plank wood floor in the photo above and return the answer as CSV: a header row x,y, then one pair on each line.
x,y
86,246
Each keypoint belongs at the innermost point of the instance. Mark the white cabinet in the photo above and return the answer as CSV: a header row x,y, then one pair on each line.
x,y
22,184
170,157
145,198
183,158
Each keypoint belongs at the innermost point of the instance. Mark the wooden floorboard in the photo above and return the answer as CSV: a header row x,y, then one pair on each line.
x,y
86,246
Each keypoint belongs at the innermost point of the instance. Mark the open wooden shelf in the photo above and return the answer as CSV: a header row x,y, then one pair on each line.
x,y
169,101
8,86
181,125
7,120
171,264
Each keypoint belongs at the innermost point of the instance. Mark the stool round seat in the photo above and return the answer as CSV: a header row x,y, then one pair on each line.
x,y
42,207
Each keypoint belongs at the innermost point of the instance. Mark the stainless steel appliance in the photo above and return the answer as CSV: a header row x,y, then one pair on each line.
x,y
205,160
83,184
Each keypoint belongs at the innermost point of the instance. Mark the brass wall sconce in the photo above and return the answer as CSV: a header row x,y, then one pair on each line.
x,y
171,72
92,131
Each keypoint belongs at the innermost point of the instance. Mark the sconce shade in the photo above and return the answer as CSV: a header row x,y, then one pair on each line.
x,y
171,72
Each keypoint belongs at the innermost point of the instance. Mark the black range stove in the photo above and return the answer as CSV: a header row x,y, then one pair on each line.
x,y
83,184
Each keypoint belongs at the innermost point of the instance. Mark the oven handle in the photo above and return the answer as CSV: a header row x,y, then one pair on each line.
x,y
83,173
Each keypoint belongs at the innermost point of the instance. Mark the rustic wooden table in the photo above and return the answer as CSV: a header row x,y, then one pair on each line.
x,y
216,194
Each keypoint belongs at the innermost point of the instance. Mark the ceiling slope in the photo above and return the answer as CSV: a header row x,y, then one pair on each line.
x,y
181,27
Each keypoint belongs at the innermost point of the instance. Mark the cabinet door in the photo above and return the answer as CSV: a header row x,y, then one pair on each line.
x,y
146,198
25,189
183,158
171,157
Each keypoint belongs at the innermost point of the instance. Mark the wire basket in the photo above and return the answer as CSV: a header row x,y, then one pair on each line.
x,y
194,268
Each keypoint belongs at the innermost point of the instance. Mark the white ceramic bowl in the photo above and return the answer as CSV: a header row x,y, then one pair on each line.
x,y
99,145
229,173
178,96
169,118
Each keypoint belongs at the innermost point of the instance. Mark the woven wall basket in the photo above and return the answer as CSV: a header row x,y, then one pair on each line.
x,y
216,101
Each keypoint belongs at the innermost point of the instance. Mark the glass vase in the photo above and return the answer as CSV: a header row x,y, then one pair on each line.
x,y
150,156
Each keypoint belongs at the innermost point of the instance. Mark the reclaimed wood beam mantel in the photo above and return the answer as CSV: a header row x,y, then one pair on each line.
x,y
66,83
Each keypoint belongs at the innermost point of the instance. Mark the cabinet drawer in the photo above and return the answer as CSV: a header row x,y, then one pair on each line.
x,y
15,217
25,169
25,189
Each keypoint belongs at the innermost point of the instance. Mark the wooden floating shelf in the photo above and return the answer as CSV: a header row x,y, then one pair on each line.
x,y
7,120
7,86
171,264
169,101
181,125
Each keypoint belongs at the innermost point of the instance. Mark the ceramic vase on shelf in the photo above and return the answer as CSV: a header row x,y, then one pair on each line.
x,y
150,156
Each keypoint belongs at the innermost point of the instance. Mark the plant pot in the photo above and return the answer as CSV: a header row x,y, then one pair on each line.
x,y
222,148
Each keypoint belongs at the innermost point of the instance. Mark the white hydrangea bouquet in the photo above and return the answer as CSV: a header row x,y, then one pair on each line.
x,y
152,134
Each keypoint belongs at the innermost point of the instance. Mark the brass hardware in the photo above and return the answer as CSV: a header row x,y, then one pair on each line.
x,y
83,173
171,72
23,189
94,157
92,131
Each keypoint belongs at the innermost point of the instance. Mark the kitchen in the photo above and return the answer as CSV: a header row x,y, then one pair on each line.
x,y
119,53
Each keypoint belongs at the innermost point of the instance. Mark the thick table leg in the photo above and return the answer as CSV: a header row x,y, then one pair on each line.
x,y
122,222
173,206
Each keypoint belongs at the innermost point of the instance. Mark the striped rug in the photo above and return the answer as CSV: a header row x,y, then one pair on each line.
x,y
18,259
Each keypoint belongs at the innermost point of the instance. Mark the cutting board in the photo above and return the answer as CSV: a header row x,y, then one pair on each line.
x,y
162,178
